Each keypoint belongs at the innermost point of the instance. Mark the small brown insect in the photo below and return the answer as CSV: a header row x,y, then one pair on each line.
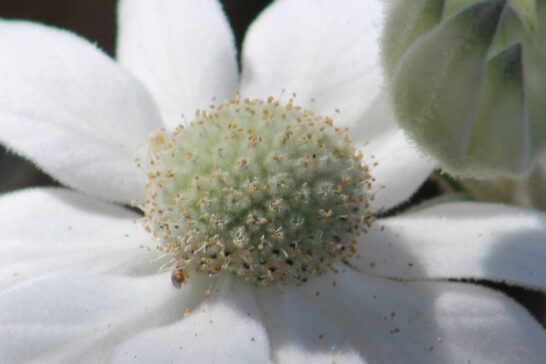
x,y
179,277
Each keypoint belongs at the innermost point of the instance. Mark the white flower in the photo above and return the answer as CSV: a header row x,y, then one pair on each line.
x,y
75,285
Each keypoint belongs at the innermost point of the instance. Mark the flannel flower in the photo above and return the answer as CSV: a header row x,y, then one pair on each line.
x,y
269,218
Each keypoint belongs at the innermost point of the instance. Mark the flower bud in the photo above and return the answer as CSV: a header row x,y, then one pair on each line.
x,y
528,192
468,81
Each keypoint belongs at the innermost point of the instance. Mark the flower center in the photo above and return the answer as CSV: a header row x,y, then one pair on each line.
x,y
267,191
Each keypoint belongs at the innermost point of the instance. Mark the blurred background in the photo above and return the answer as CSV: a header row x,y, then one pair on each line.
x,y
95,20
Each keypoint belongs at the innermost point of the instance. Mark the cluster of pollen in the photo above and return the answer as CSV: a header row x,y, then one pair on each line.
x,y
267,191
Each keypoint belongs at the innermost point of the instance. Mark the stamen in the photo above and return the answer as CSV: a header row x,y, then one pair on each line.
x,y
267,191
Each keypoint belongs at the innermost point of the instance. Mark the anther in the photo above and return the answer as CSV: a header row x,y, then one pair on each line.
x,y
227,193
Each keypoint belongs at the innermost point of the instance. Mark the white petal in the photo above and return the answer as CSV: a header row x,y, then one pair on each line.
x,y
81,319
427,322
74,282
377,120
459,240
47,231
321,50
183,51
70,109
299,334
400,171
226,328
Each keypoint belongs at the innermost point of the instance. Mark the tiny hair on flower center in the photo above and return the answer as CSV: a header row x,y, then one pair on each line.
x,y
261,189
